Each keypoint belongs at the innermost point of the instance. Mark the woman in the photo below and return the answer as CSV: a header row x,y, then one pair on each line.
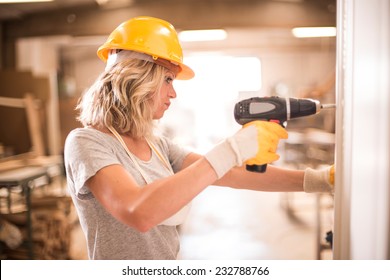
x,y
131,187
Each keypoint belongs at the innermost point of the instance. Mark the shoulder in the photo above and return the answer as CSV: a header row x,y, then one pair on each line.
x,y
83,131
80,134
89,145
86,139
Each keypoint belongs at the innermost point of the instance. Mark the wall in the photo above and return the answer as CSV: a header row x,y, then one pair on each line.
x,y
363,144
40,56
18,134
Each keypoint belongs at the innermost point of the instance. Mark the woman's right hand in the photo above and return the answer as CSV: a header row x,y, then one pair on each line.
x,y
268,136
256,143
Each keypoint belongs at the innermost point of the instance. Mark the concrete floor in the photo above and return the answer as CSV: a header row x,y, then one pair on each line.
x,y
247,225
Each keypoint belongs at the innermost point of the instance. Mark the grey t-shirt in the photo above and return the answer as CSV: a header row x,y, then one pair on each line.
x,y
87,151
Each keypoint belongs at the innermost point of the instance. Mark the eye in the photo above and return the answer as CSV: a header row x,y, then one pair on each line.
x,y
168,79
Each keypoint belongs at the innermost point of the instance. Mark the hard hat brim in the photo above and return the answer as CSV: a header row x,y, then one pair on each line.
x,y
186,73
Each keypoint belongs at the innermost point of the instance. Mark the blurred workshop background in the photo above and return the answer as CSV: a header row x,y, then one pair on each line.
x,y
286,48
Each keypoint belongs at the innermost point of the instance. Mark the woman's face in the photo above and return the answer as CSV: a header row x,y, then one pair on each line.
x,y
162,99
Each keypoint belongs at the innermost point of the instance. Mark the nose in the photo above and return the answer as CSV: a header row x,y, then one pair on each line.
x,y
172,92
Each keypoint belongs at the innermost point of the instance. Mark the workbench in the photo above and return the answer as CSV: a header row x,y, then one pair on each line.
x,y
24,178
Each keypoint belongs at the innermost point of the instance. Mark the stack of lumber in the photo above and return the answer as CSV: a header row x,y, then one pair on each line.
x,y
52,219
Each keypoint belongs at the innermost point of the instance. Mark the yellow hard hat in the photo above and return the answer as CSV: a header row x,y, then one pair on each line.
x,y
152,36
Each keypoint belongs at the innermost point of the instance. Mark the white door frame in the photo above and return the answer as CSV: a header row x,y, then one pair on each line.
x,y
362,196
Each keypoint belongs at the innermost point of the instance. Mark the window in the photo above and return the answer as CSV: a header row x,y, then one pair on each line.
x,y
202,113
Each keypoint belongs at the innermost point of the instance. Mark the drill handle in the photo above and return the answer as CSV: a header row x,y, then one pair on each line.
x,y
257,168
262,168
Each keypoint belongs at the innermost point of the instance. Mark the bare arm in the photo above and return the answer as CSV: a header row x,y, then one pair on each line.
x,y
275,179
143,207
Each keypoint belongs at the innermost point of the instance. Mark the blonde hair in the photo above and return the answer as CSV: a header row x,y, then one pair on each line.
x,y
122,97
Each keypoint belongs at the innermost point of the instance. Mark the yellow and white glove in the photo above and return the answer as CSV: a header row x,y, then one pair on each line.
x,y
257,142
320,181
269,134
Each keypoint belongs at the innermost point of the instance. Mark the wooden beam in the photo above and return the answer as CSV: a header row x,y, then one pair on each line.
x,y
34,125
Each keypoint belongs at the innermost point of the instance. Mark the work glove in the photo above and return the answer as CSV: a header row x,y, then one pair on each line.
x,y
320,181
10,234
257,141
269,134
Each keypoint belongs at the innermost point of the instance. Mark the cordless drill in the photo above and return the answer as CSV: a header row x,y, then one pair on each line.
x,y
275,109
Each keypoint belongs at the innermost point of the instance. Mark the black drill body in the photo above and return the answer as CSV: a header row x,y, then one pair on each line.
x,y
277,109
274,109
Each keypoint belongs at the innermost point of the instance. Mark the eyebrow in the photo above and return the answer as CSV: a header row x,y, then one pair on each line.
x,y
170,72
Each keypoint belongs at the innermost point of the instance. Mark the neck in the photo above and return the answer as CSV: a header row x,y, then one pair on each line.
x,y
137,146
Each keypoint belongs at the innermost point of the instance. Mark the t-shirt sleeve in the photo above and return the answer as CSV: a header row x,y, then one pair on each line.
x,y
176,153
85,154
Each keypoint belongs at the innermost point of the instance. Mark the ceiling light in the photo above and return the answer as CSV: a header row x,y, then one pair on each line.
x,y
101,2
308,32
202,35
22,1
290,1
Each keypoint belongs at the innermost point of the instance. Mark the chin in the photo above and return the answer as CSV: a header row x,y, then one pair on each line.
x,y
158,116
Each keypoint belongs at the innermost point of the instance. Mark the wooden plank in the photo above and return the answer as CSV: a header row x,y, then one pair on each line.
x,y
34,125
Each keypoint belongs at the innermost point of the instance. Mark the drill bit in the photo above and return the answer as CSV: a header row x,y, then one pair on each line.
x,y
328,106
